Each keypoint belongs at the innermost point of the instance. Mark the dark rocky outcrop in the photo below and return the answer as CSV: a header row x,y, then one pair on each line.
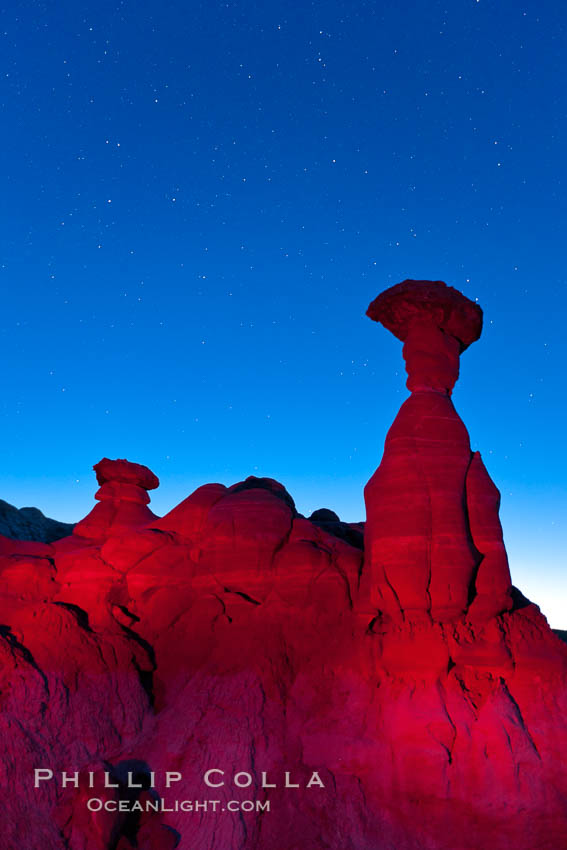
x,y
30,524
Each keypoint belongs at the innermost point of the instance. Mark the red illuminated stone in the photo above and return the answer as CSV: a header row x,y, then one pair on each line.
x,y
236,636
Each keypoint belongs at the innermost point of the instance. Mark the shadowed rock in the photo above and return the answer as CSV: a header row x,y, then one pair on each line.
x,y
30,524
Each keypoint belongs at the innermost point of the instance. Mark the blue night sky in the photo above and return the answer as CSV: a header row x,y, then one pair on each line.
x,y
200,200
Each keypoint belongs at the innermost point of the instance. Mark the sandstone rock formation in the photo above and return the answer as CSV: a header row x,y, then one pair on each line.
x,y
433,540
424,691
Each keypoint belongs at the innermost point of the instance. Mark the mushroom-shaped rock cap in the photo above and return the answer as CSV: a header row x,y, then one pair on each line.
x,y
124,472
451,311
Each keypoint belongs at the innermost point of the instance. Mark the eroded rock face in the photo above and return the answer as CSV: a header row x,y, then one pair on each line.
x,y
426,693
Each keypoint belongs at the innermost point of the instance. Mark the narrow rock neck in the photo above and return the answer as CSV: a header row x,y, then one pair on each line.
x,y
432,358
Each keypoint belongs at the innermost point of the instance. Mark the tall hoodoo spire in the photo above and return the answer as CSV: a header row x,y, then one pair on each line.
x,y
428,553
